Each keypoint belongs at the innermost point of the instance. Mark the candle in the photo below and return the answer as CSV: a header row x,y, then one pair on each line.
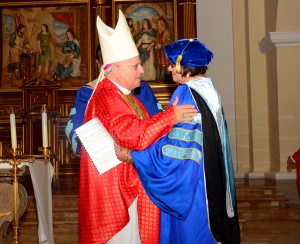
x,y
13,132
44,126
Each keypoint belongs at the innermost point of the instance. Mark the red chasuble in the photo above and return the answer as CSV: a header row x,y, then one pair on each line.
x,y
104,199
296,158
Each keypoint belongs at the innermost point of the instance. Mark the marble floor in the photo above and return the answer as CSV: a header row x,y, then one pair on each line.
x,y
269,212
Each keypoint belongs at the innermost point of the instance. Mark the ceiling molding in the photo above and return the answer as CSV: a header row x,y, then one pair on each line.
x,y
279,39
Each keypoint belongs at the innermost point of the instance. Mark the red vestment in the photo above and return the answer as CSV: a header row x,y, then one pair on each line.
x,y
104,199
296,158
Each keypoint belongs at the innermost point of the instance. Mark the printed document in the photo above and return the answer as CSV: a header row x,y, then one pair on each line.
x,y
99,145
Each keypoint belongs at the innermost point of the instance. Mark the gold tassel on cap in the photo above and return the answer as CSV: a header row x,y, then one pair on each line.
x,y
179,57
178,66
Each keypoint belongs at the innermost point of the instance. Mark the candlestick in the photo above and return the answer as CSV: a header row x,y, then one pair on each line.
x,y
13,132
44,126
15,162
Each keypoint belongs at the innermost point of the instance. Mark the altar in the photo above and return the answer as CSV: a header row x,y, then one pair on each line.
x,y
41,172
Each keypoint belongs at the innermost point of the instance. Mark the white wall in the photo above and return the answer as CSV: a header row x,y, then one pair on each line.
x,y
214,28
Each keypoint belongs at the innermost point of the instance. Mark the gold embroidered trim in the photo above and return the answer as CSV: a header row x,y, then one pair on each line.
x,y
134,105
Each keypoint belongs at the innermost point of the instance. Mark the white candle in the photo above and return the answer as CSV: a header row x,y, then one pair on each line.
x,y
13,132
44,128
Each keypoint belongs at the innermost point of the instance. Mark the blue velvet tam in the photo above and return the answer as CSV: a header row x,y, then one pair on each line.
x,y
188,53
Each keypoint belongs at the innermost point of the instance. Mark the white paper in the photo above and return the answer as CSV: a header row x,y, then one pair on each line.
x,y
98,144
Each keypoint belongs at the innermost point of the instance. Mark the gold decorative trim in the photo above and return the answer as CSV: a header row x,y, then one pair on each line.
x,y
163,85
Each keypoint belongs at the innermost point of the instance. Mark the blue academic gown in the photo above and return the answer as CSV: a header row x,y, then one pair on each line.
x,y
178,179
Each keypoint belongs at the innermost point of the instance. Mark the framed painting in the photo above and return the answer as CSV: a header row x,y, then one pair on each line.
x,y
45,40
153,25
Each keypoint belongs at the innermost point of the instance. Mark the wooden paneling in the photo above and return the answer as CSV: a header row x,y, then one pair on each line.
x,y
10,99
62,100
68,162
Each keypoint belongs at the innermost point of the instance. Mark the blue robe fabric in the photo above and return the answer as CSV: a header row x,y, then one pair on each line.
x,y
77,115
144,93
172,171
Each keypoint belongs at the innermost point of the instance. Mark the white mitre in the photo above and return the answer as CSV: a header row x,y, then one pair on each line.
x,y
116,44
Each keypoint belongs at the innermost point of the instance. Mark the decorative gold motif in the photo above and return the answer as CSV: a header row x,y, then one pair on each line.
x,y
134,105
46,151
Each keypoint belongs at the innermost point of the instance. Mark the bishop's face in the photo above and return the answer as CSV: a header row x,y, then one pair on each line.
x,y
129,73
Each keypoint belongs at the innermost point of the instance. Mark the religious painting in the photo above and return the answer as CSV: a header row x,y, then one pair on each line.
x,y
153,25
44,42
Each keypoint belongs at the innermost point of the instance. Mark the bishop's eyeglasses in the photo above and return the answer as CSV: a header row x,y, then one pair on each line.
x,y
135,67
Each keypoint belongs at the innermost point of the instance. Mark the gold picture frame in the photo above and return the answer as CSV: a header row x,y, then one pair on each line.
x,y
153,25
60,17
